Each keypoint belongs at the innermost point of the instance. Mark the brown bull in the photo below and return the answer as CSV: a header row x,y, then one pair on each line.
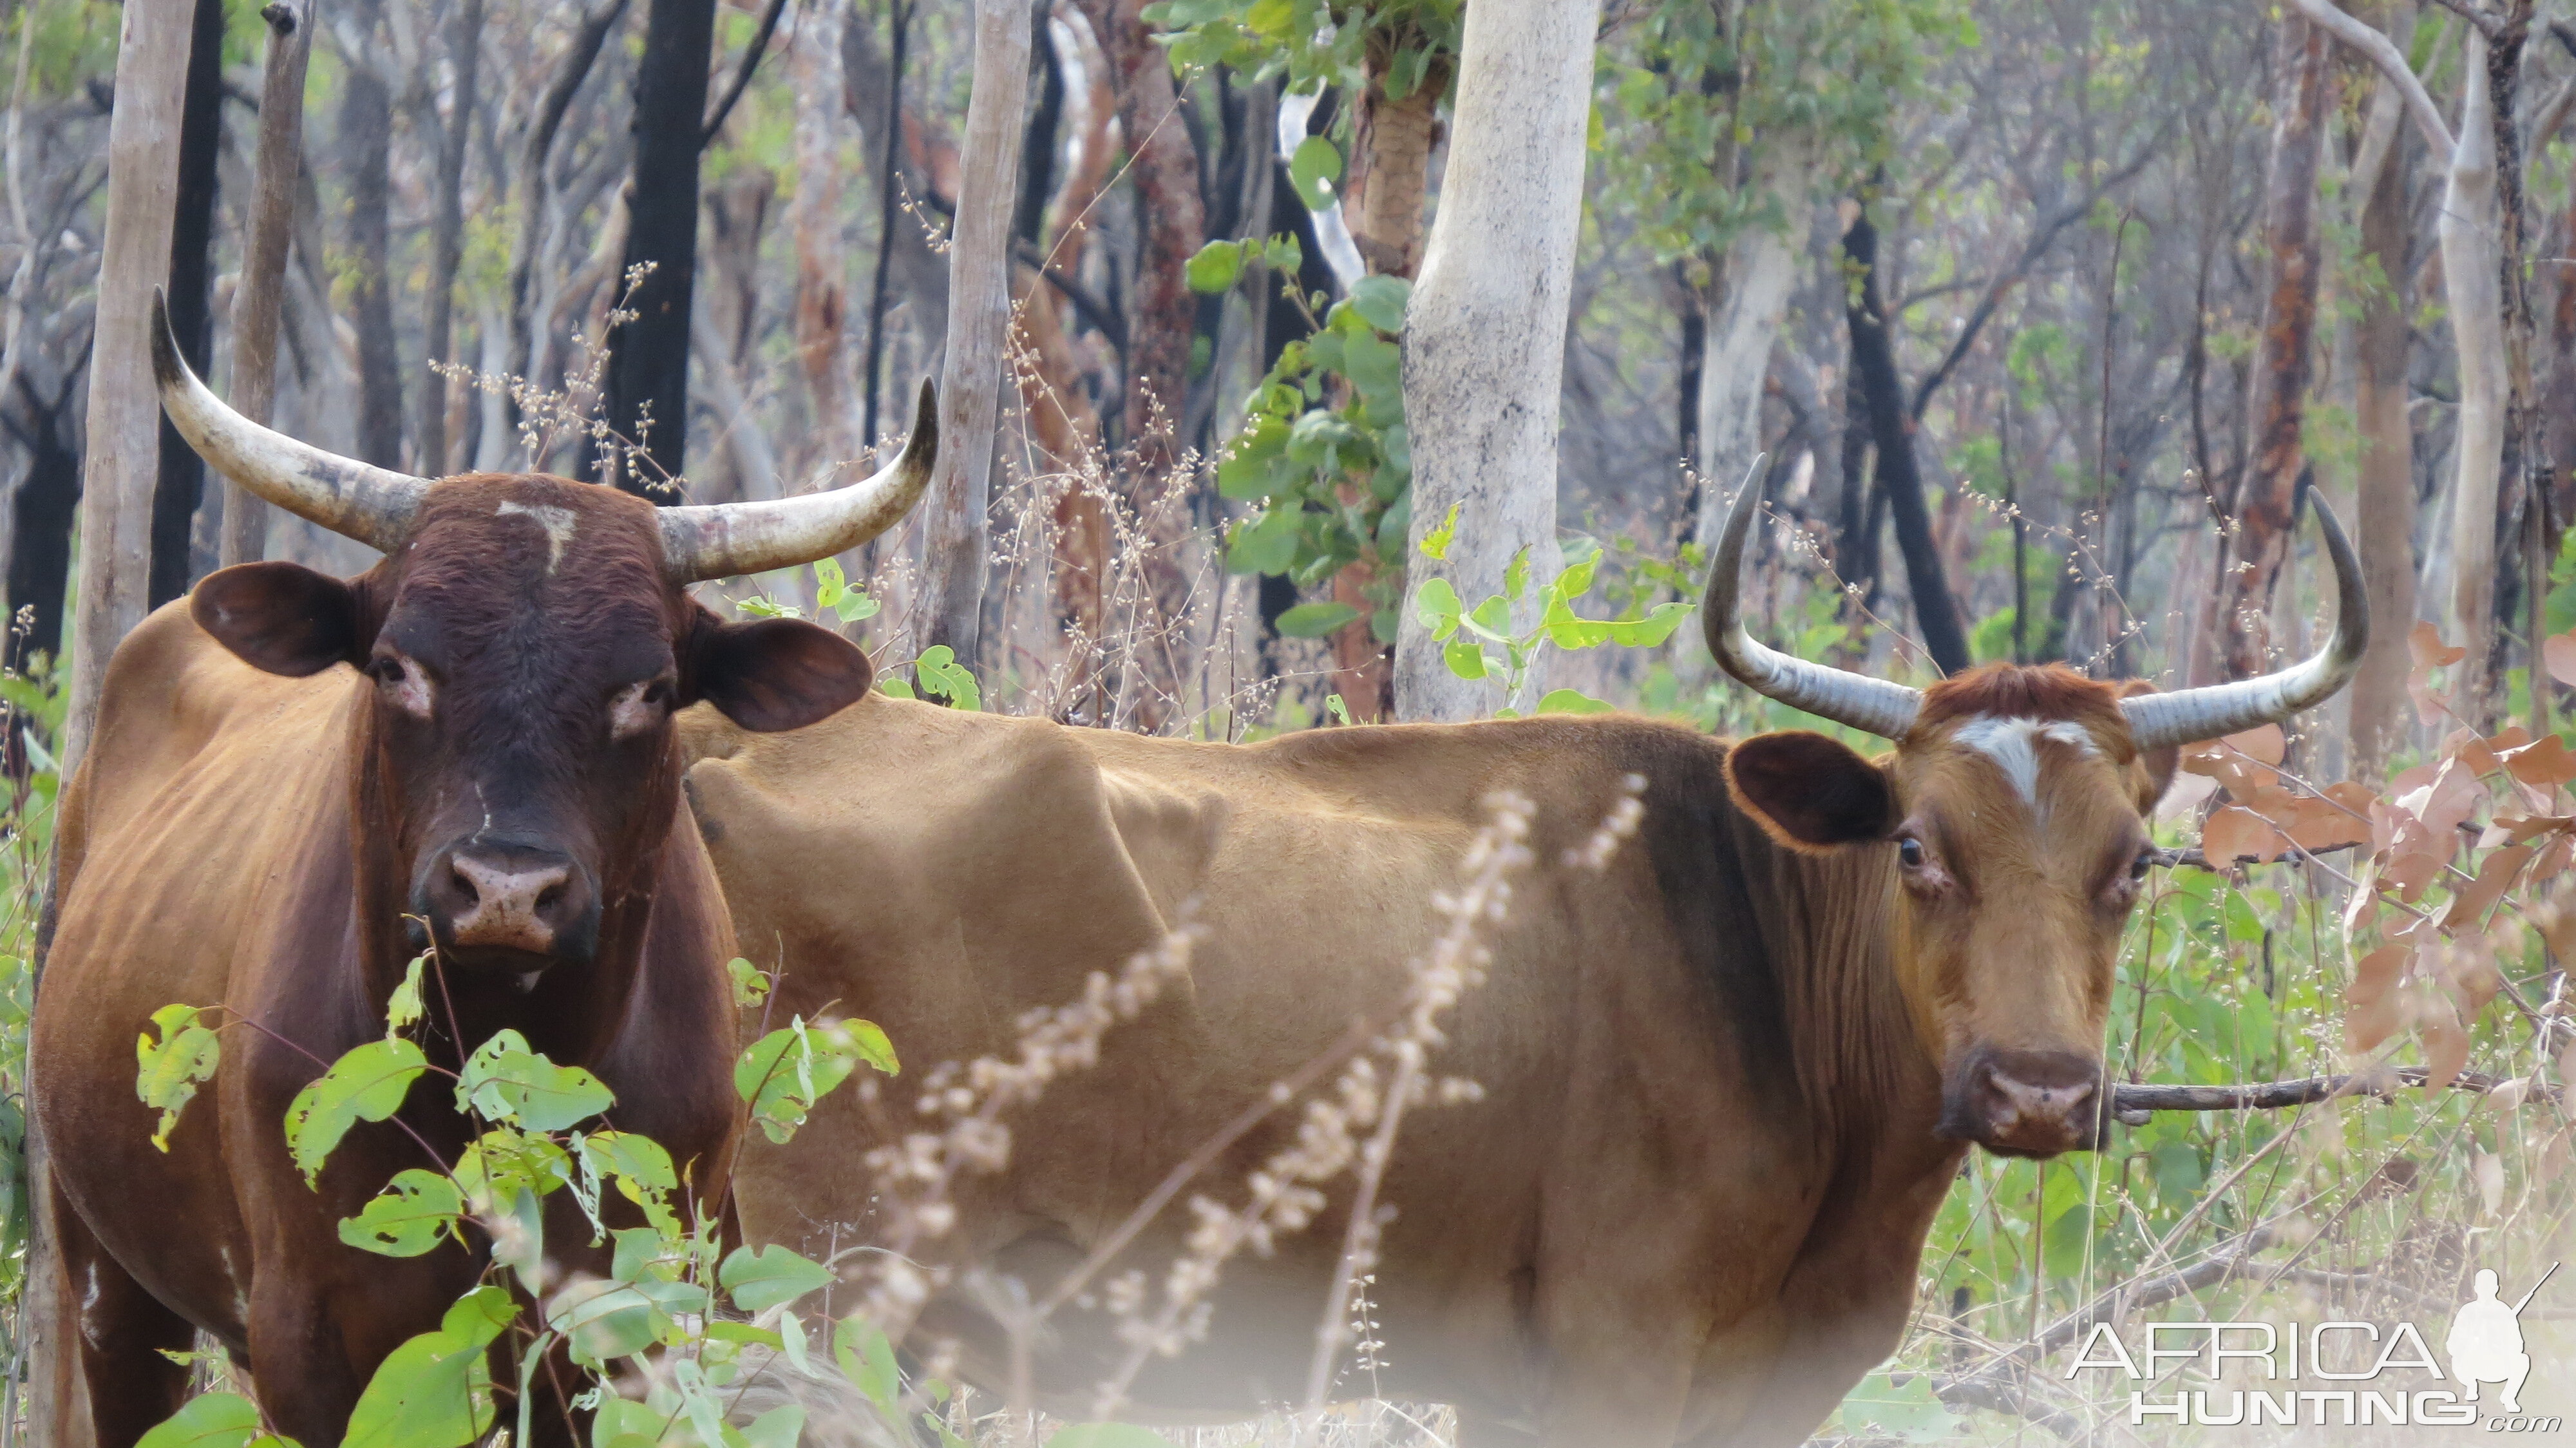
x,y
292,775
1726,1084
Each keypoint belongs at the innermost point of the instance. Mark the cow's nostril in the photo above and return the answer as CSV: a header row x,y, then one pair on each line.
x,y
466,894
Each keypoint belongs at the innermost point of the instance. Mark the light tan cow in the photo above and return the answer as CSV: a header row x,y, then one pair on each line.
x,y
1727,1083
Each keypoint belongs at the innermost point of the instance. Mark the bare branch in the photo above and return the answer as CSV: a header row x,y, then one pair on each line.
x,y
2383,52
2134,1102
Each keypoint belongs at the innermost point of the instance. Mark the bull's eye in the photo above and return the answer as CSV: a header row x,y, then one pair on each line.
x,y
2146,860
1909,852
401,683
638,707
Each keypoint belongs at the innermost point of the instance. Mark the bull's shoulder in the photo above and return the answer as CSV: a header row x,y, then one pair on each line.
x,y
171,695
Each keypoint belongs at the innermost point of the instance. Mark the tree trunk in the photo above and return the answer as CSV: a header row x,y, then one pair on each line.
x,y
447,233
1759,269
2262,500
2467,228
1390,168
262,288
1162,318
123,436
979,321
648,357
1483,364
814,218
41,509
2386,514
1899,475
182,474
890,167
366,147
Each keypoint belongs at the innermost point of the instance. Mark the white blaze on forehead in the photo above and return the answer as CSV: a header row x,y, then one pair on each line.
x,y
2013,744
558,523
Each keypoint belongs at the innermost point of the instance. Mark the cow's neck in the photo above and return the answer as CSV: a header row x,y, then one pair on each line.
x,y
1860,1060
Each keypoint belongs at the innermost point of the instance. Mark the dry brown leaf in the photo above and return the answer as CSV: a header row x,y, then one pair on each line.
x,y
2372,999
2495,872
2446,1052
2558,655
2554,857
2543,764
2233,833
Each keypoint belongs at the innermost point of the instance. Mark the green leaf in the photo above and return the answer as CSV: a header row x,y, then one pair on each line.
x,y
435,1391
214,1420
415,1210
777,1428
1492,618
1436,604
602,1320
168,1072
866,1358
1315,620
766,1278
1380,301
1516,575
1268,544
939,673
750,982
1435,544
1572,701
787,1071
1465,657
366,1084
1285,254
1215,267
1106,1435
505,1081
403,1008
1312,169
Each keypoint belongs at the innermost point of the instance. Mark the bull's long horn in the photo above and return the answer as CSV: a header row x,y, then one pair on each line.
x,y
1875,705
720,540
2191,715
353,499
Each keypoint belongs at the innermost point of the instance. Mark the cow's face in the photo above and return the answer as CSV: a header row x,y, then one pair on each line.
x,y
523,653
2012,815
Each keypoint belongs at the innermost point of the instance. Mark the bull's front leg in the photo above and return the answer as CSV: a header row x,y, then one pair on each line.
x,y
122,1331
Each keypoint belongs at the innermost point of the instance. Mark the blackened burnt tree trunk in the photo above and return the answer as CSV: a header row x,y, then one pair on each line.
x,y
182,480
47,496
1891,433
366,142
648,357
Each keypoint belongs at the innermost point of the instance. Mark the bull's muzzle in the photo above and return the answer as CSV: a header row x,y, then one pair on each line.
x,y
2025,1103
514,905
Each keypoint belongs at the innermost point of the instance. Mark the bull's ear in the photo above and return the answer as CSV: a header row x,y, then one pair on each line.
x,y
2160,763
775,673
1810,792
282,618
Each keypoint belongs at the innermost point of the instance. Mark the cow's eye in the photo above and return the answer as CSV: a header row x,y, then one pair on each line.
x,y
2146,860
1909,852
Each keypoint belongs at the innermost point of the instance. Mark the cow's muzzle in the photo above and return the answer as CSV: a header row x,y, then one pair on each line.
x,y
507,904
2025,1103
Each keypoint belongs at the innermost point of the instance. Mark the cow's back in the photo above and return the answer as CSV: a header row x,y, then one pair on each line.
x,y
942,872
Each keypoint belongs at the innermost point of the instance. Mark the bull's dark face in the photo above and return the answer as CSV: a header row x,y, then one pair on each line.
x,y
2012,817
522,657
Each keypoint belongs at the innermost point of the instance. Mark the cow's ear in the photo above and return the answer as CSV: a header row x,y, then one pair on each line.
x,y
2159,763
775,673
1810,792
281,618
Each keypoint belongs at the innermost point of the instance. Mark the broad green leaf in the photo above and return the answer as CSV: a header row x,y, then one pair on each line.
x,y
866,1358
1284,253
1106,1435
750,982
777,1428
787,1071
1436,604
213,1420
1312,169
1315,620
1492,618
602,1320
403,1008
1380,301
435,1390
366,1084
505,1081
765,1278
168,1072
1466,658
408,1218
938,672
1268,544
624,1423
505,1160
1215,267
1516,575
1572,701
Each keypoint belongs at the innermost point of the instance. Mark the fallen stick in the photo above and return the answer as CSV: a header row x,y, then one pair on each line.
x,y
2134,1102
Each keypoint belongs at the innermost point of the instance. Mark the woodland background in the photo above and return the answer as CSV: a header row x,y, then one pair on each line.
x,y
2074,306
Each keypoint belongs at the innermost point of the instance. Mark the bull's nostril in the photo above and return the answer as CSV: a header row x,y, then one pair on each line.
x,y
549,897
464,883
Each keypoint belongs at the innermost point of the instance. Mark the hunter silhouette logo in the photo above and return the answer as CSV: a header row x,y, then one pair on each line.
x,y
2222,1374
2485,1342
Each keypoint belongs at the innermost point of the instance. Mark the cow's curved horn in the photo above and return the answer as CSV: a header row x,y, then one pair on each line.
x,y
353,499
720,540
2188,716
1875,705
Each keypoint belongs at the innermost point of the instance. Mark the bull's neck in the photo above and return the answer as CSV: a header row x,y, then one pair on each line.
x,y
572,1010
